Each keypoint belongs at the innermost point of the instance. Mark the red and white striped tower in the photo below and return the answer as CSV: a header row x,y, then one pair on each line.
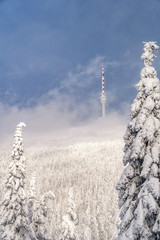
x,y
103,95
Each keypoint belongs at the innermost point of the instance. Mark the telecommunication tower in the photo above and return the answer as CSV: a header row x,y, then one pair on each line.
x,y
103,96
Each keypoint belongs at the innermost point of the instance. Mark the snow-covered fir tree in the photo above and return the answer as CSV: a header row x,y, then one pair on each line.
x,y
43,230
87,228
32,189
139,185
32,202
14,217
38,211
70,220
38,221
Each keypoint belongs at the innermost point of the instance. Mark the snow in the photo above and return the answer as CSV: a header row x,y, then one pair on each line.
x,y
70,220
126,219
148,55
91,167
140,189
139,219
153,187
13,209
146,167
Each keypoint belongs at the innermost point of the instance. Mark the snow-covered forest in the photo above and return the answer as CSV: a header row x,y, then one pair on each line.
x,y
91,169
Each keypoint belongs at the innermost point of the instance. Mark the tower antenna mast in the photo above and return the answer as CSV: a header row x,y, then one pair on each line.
x,y
103,96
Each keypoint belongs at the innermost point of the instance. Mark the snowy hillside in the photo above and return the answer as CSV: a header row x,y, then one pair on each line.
x,y
92,169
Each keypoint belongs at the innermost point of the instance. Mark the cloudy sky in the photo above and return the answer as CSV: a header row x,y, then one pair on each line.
x,y
51,54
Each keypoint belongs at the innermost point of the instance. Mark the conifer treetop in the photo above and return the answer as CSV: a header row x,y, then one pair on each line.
x,y
148,56
17,150
21,124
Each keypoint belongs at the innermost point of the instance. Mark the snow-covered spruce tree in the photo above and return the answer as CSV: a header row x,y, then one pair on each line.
x,y
32,190
87,228
139,185
37,220
38,211
42,229
70,220
14,219
32,200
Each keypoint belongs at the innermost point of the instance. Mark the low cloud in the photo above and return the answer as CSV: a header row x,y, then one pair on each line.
x,y
61,116
46,123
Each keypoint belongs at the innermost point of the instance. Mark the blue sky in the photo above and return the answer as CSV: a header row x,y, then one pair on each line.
x,y
52,51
